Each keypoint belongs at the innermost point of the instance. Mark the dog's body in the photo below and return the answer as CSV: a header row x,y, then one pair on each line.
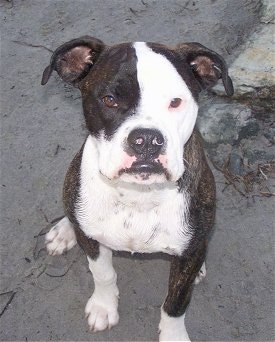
x,y
140,182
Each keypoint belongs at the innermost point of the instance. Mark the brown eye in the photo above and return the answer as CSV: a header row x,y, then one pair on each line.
x,y
109,101
175,103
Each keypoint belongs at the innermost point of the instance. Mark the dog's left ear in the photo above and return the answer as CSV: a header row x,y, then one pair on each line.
x,y
74,59
207,66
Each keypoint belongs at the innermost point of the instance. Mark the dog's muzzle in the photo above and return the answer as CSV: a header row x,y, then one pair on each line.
x,y
146,147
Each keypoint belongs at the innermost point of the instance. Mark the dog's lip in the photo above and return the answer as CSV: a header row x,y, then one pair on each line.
x,y
144,166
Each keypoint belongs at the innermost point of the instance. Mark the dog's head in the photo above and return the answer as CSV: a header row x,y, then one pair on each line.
x,y
139,101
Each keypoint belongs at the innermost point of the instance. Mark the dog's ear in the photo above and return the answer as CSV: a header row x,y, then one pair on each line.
x,y
207,66
74,59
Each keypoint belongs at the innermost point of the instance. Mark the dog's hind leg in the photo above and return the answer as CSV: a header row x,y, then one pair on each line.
x,y
61,237
101,308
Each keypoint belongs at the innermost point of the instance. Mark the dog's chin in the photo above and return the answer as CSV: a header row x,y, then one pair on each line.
x,y
144,173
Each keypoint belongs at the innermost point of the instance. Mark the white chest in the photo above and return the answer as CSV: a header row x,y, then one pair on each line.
x,y
136,226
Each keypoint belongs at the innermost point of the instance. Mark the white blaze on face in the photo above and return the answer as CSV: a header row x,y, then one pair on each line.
x,y
159,84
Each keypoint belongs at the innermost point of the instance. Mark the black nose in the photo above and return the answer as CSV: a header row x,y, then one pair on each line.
x,y
146,143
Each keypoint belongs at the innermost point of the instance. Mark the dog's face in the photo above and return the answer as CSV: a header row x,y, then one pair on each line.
x,y
141,112
139,101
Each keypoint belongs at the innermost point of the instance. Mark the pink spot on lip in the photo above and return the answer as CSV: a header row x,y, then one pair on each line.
x,y
127,161
162,159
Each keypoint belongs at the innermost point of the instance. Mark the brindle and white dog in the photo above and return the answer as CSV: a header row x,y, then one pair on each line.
x,y
140,182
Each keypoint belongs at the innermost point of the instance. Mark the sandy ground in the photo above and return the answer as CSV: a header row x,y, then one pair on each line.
x,y
43,298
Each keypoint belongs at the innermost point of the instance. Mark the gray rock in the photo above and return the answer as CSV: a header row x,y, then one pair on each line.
x,y
268,12
236,165
252,72
254,68
270,135
226,123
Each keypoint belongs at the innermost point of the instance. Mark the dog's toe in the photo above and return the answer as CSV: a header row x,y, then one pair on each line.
x,y
100,319
60,238
101,313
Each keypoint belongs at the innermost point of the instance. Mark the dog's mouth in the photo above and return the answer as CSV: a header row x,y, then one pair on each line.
x,y
145,169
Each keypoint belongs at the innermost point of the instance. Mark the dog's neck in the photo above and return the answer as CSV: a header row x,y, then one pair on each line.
x,y
140,196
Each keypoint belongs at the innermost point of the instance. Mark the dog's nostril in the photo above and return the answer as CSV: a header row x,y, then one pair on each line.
x,y
157,140
139,141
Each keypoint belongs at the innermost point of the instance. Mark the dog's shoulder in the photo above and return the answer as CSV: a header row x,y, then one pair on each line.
x,y
72,185
195,160
199,182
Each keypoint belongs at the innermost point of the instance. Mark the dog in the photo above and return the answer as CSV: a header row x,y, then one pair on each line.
x,y
140,182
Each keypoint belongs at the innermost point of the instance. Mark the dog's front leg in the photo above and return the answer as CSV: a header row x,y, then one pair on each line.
x,y
101,309
183,273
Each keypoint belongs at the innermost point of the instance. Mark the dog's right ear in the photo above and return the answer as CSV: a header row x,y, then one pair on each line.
x,y
74,59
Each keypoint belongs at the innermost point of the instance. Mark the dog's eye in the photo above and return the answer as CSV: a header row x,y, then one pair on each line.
x,y
175,103
109,101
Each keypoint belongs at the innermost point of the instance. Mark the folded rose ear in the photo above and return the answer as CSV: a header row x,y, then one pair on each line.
x,y
208,67
74,59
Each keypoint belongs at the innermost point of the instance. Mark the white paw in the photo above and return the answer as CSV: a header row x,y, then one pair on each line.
x,y
60,238
172,328
101,308
201,274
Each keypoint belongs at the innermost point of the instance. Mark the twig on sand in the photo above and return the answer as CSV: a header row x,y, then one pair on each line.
x,y
12,294
32,45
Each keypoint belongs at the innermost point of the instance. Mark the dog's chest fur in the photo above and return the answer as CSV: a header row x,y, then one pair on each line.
x,y
125,217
